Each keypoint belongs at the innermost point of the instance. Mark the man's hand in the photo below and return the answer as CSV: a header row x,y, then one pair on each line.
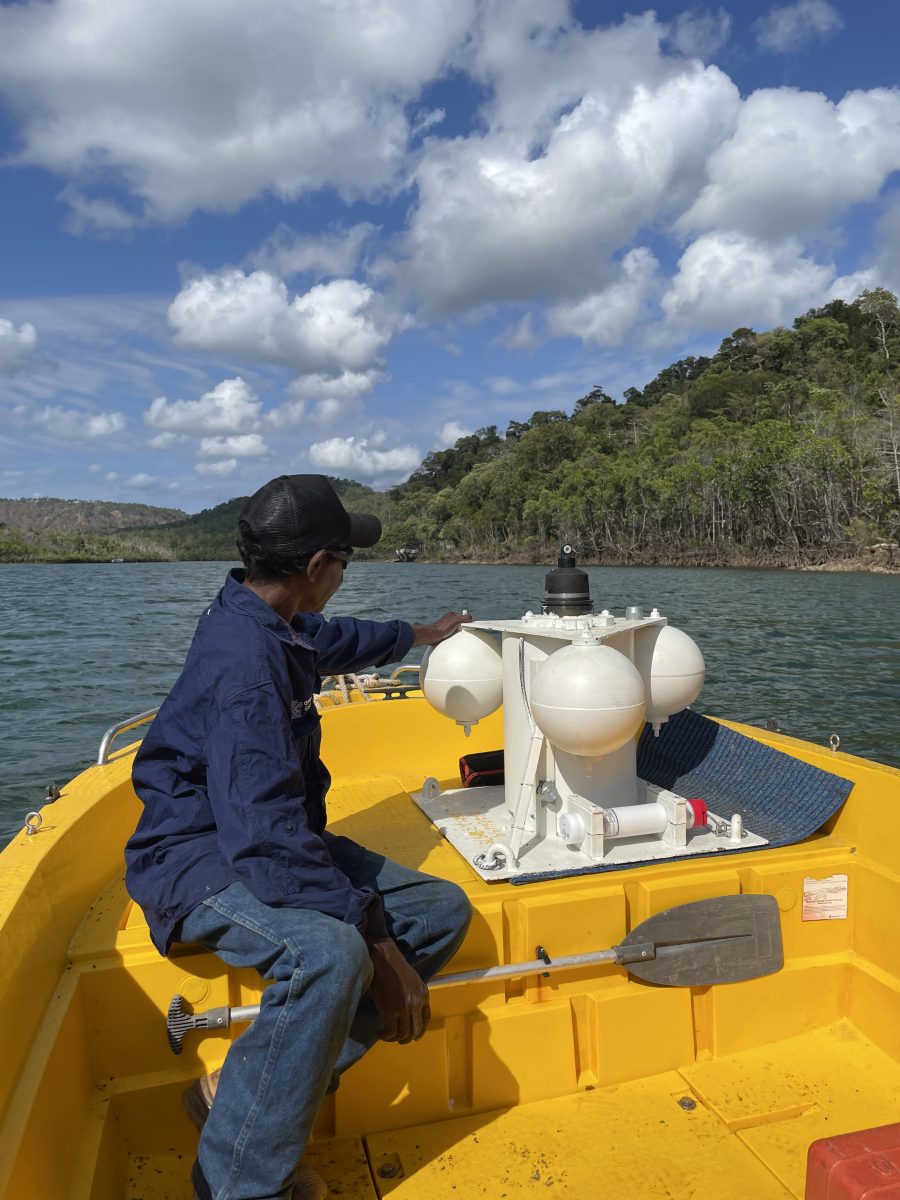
x,y
399,994
443,627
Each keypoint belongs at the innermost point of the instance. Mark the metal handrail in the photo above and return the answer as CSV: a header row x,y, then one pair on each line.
x,y
410,669
122,727
143,718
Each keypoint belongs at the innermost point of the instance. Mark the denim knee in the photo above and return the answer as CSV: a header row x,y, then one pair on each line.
x,y
348,961
453,910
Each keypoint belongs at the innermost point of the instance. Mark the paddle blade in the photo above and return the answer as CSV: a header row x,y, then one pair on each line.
x,y
723,940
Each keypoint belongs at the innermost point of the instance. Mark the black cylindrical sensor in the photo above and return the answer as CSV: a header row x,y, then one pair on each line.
x,y
567,592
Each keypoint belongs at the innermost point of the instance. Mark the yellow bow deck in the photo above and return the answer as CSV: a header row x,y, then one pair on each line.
x,y
582,1084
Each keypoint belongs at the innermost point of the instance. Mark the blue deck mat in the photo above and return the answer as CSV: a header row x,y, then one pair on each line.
x,y
779,797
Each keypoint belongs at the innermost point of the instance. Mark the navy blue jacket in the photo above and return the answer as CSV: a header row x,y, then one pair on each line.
x,y
229,772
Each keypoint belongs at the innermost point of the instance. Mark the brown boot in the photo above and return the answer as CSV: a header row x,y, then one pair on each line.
x,y
198,1098
307,1185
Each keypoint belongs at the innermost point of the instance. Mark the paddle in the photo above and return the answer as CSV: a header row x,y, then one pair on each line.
x,y
724,940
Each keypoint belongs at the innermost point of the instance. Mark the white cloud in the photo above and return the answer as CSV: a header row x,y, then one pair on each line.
x,y
165,441
240,445
231,407
699,34
76,425
790,27
360,458
725,280
333,397
140,481
607,317
887,266
335,326
16,346
795,158
848,287
514,216
521,335
287,253
448,434
195,106
219,470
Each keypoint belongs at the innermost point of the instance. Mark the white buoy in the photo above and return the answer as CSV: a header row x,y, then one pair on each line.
x,y
462,677
672,669
588,699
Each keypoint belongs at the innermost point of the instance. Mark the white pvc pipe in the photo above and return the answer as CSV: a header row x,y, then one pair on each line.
x,y
634,820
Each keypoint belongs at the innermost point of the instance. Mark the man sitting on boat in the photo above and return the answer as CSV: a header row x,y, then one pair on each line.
x,y
231,850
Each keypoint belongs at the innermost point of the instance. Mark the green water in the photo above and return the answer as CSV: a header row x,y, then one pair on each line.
x,y
85,645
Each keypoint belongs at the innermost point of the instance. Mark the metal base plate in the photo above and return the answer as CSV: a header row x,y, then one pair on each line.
x,y
472,819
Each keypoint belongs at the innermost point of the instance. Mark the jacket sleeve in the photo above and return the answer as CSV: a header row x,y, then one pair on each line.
x,y
346,644
256,790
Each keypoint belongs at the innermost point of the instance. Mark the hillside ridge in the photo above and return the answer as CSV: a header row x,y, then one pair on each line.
x,y
781,449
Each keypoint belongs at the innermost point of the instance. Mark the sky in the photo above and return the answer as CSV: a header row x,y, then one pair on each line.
x,y
239,239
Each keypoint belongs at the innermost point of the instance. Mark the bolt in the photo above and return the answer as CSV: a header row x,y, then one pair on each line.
x,y
688,1103
387,1170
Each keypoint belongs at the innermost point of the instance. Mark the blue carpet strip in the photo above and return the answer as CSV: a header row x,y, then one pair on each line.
x,y
779,797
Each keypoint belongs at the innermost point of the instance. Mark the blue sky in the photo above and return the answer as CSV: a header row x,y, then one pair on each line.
x,y
337,234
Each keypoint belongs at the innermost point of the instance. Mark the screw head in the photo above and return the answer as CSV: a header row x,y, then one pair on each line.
x,y
387,1170
688,1103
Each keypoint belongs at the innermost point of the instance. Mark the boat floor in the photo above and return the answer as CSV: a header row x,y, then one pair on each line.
x,y
565,1087
729,1128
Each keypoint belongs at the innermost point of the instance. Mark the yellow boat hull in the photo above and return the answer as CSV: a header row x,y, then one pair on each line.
x,y
579,1084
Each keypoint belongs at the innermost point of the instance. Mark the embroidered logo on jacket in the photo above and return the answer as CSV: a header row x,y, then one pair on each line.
x,y
299,708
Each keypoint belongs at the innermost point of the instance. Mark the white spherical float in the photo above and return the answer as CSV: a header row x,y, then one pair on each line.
x,y
672,668
588,699
462,677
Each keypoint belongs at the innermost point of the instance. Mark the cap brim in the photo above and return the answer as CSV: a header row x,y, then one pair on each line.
x,y
365,529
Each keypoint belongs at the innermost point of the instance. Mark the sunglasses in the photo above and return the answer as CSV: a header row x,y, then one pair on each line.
x,y
341,556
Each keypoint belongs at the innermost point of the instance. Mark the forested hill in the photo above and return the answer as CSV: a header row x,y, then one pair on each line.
x,y
783,448
210,534
96,531
45,529
82,516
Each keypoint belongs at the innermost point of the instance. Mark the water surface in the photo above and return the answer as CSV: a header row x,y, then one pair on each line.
x,y
87,644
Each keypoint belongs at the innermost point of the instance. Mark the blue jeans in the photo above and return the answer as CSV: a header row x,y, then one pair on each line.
x,y
316,1019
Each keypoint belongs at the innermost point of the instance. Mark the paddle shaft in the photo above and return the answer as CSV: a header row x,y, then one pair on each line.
x,y
536,966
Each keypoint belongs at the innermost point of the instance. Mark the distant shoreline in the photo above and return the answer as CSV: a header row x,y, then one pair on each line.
x,y
878,561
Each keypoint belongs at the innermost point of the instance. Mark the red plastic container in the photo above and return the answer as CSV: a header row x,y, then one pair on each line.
x,y
855,1166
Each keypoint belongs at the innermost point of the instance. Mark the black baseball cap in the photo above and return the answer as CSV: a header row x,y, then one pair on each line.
x,y
296,515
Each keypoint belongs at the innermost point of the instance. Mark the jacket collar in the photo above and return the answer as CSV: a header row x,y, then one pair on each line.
x,y
237,598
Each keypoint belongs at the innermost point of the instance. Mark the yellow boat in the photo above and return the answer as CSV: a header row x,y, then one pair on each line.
x,y
576,1084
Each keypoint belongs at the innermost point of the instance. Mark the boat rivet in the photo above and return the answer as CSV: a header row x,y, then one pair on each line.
x,y
786,898
687,1103
645,953
387,1170
193,989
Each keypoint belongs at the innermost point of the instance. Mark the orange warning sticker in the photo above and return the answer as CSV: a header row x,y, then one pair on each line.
x,y
825,899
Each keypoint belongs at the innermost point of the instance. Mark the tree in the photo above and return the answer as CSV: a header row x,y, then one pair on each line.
x,y
595,396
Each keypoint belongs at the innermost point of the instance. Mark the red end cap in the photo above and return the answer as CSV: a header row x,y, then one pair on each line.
x,y
699,809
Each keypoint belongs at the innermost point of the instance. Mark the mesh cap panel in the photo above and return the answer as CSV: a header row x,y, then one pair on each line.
x,y
295,515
